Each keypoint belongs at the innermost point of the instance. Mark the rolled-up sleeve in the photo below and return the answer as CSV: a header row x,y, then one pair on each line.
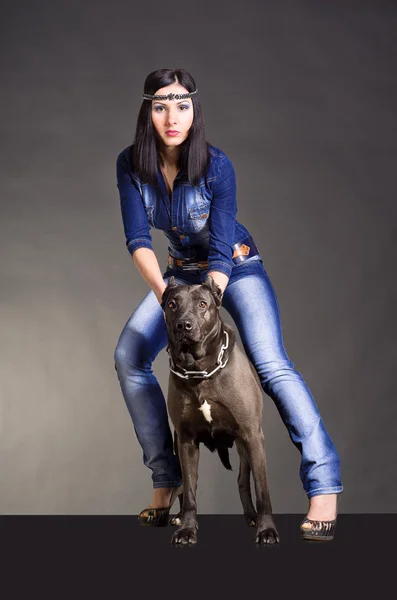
x,y
222,219
135,221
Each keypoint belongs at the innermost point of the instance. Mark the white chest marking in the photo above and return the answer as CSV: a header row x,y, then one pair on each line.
x,y
206,410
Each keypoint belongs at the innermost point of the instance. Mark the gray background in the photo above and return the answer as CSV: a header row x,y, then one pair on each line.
x,y
302,97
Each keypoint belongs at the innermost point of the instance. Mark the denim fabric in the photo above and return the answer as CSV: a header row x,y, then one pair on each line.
x,y
199,221
251,301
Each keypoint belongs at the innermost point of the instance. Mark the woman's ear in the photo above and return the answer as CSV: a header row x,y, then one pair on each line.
x,y
215,290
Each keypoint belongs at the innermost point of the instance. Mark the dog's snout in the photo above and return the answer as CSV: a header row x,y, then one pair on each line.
x,y
184,324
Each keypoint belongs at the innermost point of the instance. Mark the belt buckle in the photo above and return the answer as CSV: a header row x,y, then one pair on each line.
x,y
193,266
186,266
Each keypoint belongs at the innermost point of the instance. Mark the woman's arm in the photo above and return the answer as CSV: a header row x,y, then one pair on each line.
x,y
137,229
136,225
221,224
147,264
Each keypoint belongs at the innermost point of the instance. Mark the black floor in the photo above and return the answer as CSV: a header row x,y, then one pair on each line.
x,y
115,555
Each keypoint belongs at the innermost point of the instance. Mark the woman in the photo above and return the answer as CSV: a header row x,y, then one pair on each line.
x,y
172,179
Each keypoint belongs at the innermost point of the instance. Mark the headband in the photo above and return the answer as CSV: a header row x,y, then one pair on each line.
x,y
168,96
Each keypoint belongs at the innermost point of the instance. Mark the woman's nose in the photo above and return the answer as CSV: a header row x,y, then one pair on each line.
x,y
171,117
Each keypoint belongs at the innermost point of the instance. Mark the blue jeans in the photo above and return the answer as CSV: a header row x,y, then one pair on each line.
x,y
251,301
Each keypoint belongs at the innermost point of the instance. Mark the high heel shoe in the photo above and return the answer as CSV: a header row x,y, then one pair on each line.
x,y
158,517
320,530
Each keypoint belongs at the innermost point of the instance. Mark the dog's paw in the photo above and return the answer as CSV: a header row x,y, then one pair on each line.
x,y
267,536
185,535
250,519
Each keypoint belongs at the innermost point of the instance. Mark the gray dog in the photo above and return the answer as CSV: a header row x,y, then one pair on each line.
x,y
214,397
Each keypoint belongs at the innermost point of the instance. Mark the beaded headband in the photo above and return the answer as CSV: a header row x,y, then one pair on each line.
x,y
168,96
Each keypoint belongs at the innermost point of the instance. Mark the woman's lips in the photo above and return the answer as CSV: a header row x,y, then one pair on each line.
x,y
172,133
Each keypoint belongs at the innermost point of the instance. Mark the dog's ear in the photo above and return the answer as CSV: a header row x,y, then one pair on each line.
x,y
171,283
215,290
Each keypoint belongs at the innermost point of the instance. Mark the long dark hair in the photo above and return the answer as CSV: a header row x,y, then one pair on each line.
x,y
194,157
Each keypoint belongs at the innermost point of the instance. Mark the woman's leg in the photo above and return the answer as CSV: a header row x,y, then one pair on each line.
x,y
251,301
142,338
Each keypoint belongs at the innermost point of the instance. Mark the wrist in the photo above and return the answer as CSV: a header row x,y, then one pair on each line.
x,y
221,279
159,292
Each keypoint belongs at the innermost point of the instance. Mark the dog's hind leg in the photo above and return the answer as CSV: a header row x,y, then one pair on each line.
x,y
266,532
244,485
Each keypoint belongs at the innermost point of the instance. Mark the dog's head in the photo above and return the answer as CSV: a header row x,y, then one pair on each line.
x,y
191,311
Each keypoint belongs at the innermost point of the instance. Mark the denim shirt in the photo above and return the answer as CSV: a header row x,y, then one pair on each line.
x,y
199,221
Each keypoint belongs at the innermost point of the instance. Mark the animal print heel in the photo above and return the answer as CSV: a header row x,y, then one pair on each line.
x,y
320,530
154,517
158,517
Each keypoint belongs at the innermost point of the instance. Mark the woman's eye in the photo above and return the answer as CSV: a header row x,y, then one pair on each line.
x,y
160,108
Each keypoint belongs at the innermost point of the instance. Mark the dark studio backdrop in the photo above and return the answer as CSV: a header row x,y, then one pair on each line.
x,y
302,97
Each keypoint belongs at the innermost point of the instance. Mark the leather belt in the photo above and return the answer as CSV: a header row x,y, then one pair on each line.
x,y
242,251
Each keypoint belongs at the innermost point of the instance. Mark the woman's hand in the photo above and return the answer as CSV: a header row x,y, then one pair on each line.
x,y
159,296
220,279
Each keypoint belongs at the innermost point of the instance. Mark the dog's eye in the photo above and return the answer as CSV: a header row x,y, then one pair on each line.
x,y
171,304
202,304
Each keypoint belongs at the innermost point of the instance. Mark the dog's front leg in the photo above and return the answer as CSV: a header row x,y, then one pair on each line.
x,y
189,459
266,532
176,519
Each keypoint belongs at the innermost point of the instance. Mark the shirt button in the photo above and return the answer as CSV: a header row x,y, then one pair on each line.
x,y
182,237
204,215
174,228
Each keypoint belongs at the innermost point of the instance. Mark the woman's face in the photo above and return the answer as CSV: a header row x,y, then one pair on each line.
x,y
172,115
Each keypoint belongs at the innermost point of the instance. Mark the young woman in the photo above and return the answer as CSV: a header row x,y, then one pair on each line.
x,y
172,179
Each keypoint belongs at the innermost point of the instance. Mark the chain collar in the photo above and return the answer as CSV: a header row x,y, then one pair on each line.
x,y
202,374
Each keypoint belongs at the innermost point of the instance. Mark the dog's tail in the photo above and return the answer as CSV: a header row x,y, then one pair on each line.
x,y
224,456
